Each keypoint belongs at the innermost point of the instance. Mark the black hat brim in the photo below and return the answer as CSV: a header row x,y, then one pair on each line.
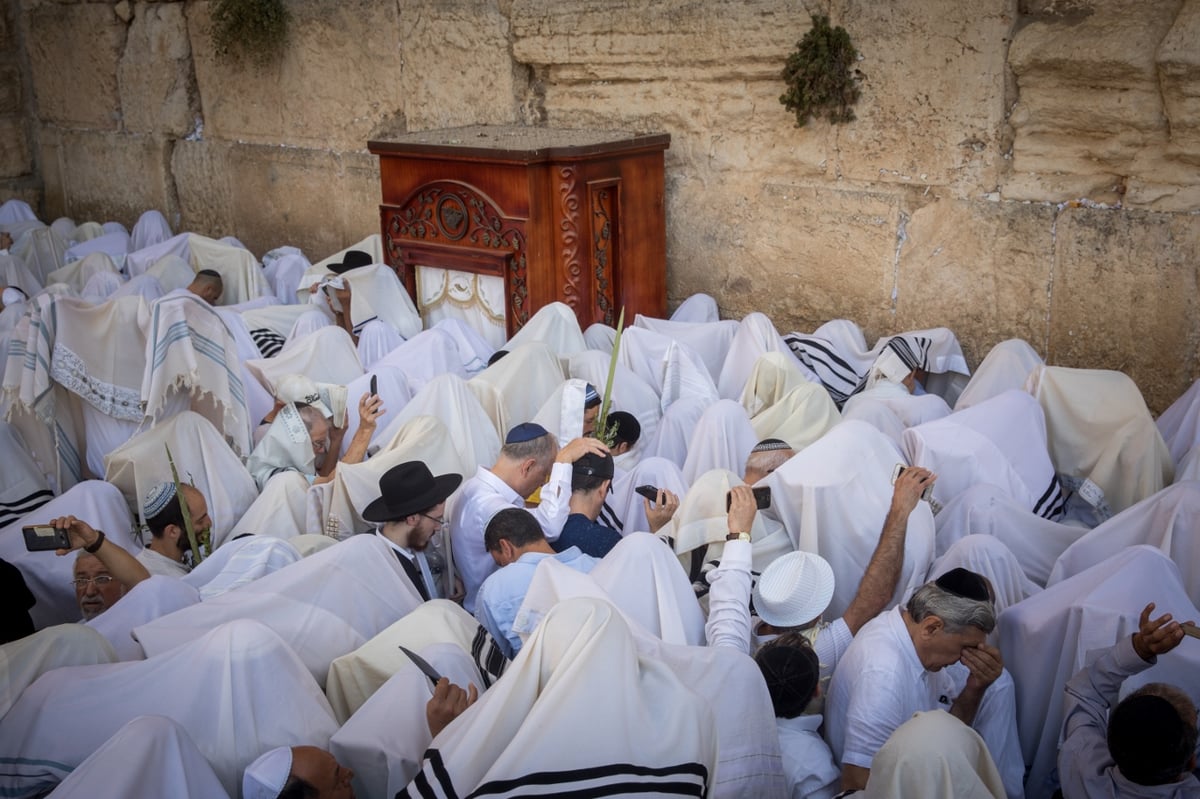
x,y
381,510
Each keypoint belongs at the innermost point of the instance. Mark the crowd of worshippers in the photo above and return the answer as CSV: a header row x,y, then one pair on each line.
x,y
269,530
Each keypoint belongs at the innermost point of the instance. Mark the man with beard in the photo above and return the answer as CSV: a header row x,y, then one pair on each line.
x,y
104,572
410,511
169,540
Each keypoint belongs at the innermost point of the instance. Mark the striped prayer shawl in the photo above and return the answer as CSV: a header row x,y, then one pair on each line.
x,y
12,510
1052,502
269,342
837,375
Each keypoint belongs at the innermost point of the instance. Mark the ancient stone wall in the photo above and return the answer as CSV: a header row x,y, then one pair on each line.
x,y
1025,168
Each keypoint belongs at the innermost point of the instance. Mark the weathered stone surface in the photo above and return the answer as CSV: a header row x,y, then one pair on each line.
x,y
10,90
73,53
335,82
1125,297
1178,60
155,74
919,121
109,176
980,268
15,158
203,187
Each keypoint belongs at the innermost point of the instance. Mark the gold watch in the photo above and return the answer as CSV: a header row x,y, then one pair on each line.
x,y
738,537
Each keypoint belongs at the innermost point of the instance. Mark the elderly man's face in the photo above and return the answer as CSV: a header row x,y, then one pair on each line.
x,y
95,589
323,772
937,648
320,440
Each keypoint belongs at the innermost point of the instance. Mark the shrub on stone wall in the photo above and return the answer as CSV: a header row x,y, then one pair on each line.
x,y
254,29
820,75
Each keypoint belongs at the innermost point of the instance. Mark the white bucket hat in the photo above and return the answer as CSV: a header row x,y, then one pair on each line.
x,y
298,388
794,589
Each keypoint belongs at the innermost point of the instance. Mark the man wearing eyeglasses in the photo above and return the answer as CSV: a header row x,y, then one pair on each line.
x,y
410,511
103,570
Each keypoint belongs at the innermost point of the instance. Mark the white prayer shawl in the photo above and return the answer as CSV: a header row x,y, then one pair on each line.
x,y
254,695
837,352
755,336
170,273
800,417
326,355
147,259
425,356
377,293
1167,521
554,325
629,505
375,340
988,556
14,272
151,228
385,740
24,660
1006,367
1052,635
23,486
100,287
701,524
115,245
283,268
287,446
146,601
113,226
372,245
749,761
395,392
527,729
201,457
323,606
335,507
259,401
710,340
934,756
239,562
77,274
948,371
984,509
773,376
833,498
149,758
698,308
673,369
280,511
1180,425
630,393
309,544
1099,429
42,250
145,286
355,677
562,412
19,230
450,401
190,351
65,227
890,409
48,576
676,428
513,389
722,439
241,276
600,337
86,231
473,349
279,319
1001,441
14,210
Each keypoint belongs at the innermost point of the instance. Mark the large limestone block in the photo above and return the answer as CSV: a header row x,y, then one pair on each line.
x,y
155,74
10,90
203,184
801,255
336,82
980,268
15,156
107,176
932,95
458,69
73,53
1178,62
1125,297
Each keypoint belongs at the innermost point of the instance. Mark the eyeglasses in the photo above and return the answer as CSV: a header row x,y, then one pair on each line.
x,y
100,580
440,522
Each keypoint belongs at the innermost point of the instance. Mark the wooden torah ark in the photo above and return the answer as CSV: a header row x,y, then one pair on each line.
x,y
569,215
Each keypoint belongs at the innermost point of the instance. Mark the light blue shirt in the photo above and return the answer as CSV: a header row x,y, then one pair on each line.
x,y
503,592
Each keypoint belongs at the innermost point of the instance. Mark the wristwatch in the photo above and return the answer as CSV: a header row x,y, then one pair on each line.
x,y
738,537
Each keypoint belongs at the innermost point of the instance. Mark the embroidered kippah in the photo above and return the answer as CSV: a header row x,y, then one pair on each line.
x,y
526,431
157,499
590,396
770,445
964,583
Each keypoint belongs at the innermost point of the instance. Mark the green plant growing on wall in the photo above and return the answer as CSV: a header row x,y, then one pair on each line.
x,y
820,75
251,28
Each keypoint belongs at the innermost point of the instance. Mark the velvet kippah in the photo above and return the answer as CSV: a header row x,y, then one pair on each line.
x,y
526,431
791,674
964,583
770,445
157,499
1143,733
590,396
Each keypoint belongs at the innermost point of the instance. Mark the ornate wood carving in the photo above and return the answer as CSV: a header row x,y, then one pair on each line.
x,y
569,230
604,203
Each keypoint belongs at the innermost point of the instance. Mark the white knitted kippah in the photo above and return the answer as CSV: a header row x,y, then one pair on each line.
x,y
157,499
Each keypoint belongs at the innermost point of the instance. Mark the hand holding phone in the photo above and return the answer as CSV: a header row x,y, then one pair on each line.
x,y
44,538
648,491
374,385
762,498
900,469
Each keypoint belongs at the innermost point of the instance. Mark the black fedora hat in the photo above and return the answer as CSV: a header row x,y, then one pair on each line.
x,y
409,488
351,260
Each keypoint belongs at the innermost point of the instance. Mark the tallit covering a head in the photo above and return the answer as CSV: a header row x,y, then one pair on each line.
x,y
281,510
722,439
473,349
654,728
450,401
157,596
283,267
1006,367
799,417
675,429
672,368
372,245
837,353
241,276
426,356
513,389
709,340
255,695
42,250
14,210
149,758
600,337
115,245
554,325
287,446
14,272
630,393
141,261
629,505
327,355
151,228
24,660
562,413
936,756
773,376
377,293
1180,424
698,307
890,409
755,336
239,562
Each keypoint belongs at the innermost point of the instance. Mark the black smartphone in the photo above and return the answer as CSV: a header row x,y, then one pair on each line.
x,y
762,498
374,385
926,495
648,491
44,538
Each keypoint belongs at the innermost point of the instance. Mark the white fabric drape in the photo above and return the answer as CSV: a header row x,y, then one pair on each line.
x,y
755,336
473,300
675,430
24,660
1006,367
240,562
513,389
710,340
934,756
326,355
698,307
425,356
241,276
722,439
673,369
146,601
145,259
555,326
151,228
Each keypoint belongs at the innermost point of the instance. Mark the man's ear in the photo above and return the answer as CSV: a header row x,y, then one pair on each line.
x,y
508,552
931,625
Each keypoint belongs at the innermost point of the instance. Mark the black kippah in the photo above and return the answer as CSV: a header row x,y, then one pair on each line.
x,y
964,583
1144,733
791,674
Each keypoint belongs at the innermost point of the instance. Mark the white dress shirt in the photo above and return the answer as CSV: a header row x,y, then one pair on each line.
x,y
481,498
807,761
156,563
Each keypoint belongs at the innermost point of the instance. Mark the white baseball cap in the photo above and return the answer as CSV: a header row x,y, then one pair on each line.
x,y
298,388
266,776
794,589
